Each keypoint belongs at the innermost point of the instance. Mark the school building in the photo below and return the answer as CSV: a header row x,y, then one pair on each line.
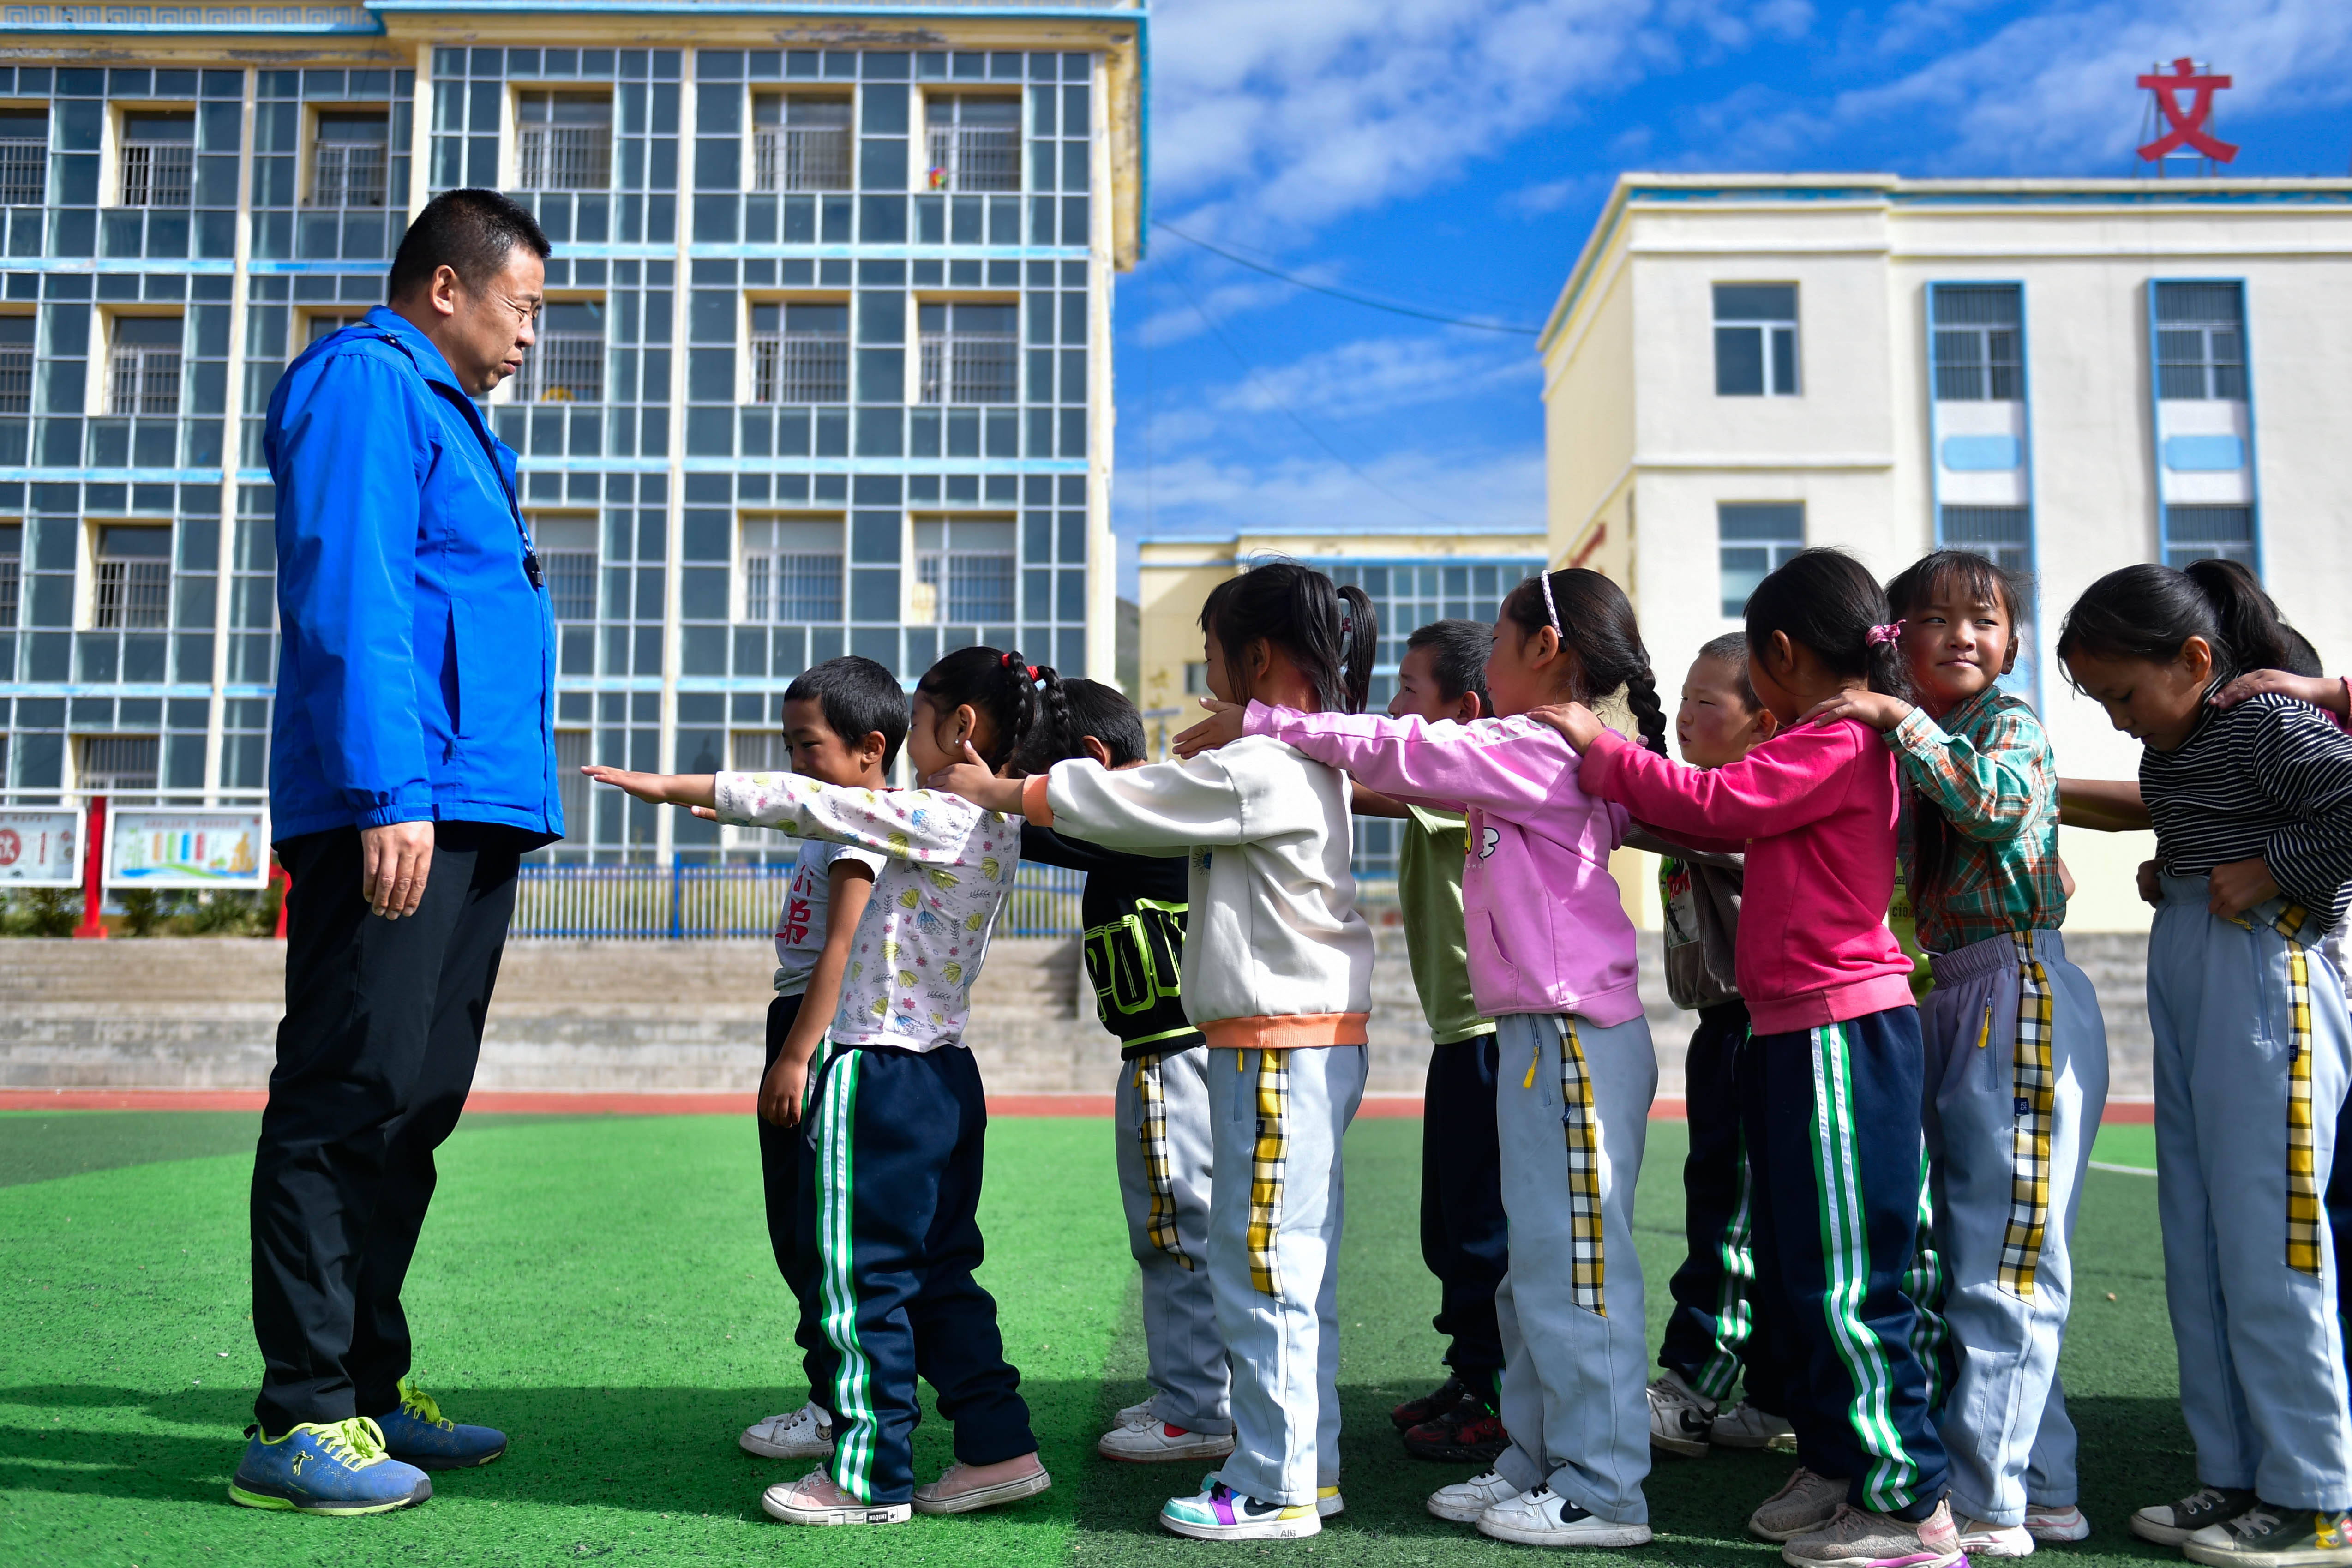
x,y
2068,376
824,367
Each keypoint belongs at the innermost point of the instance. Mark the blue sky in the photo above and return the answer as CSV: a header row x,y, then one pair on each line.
x,y
1453,154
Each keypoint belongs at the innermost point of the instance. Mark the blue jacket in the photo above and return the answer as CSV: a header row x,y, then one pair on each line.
x,y
416,667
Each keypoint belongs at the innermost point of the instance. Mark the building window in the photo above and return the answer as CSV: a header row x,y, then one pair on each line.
x,y
2209,533
759,751
134,579
327,323
145,367
567,560
2201,341
963,573
567,362
1756,340
159,158
800,144
2001,535
349,159
971,352
572,748
1196,680
566,140
1756,539
113,762
16,365
800,354
975,141
12,571
1979,343
1407,595
791,571
24,157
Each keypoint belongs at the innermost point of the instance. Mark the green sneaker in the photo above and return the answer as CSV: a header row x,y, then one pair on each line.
x,y
2268,1537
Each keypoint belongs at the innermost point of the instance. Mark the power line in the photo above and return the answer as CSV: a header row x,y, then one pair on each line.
x,y
1353,298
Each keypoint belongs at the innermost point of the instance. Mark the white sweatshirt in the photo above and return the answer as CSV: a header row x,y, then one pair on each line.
x,y
1275,954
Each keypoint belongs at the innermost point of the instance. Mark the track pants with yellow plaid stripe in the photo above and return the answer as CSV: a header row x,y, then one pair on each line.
x,y
1276,1201
2247,1087
1161,1121
1572,1110
2016,1078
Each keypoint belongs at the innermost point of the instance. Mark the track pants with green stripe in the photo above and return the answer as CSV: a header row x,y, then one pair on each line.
x,y
1833,1150
894,1169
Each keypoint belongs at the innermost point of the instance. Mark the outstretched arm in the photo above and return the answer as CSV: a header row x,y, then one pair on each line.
x,y
2103,805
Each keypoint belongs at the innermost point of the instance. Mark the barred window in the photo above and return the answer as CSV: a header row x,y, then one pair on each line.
x,y
974,142
571,754
792,570
327,323
2001,535
800,354
2201,341
24,157
1978,342
113,762
16,365
969,353
566,140
12,571
760,751
348,160
800,144
134,579
145,367
2209,533
159,158
567,559
963,573
566,365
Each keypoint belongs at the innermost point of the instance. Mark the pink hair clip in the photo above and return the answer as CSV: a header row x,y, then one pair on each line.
x,y
1885,634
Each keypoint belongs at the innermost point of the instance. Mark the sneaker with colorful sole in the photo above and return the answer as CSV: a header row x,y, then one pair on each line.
x,y
1221,1513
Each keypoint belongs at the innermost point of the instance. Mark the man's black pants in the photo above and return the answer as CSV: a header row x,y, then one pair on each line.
x,y
383,1023
780,1177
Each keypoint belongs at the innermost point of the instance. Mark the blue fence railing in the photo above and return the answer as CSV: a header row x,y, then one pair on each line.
x,y
680,902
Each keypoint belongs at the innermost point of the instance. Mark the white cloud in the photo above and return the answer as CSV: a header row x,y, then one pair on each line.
x,y
1375,375
1205,494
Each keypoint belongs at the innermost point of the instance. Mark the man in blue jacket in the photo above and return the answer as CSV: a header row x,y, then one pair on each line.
x,y
412,764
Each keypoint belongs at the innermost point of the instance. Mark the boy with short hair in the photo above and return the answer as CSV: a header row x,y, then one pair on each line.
x,y
844,720
1712,1331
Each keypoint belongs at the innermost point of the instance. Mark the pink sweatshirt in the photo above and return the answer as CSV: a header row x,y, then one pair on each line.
x,y
1547,932
1814,807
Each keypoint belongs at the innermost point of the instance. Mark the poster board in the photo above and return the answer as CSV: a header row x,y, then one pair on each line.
x,y
188,848
41,847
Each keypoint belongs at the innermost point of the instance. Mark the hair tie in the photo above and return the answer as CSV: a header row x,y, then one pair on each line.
x,y
1005,659
1551,610
1347,626
1032,671
1885,634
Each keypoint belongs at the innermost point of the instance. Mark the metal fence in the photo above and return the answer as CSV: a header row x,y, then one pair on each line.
x,y
679,901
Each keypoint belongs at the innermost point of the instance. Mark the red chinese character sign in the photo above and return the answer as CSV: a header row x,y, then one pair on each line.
x,y
2185,126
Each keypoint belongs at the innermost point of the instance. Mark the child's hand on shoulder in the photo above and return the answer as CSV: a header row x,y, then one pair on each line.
x,y
2317,689
970,779
1875,709
1225,724
1579,723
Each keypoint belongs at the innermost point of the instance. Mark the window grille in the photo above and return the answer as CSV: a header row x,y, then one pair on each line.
x,y
134,579
24,157
159,159
572,748
1756,340
16,365
964,572
760,751
11,560
145,367
1756,539
974,142
800,354
970,353
2201,341
326,324
791,571
566,365
112,763
348,160
566,140
1407,595
567,561
1979,343
800,144
2001,535
2209,533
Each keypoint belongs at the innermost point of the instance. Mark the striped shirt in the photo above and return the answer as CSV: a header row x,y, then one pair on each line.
x,y
1989,769
2271,777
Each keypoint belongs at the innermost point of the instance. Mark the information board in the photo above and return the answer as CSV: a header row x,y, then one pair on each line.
x,y
187,848
40,849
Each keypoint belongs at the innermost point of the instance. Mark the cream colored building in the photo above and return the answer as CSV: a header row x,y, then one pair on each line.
x,y
2070,374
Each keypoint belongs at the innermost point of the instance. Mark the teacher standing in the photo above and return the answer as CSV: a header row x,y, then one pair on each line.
x,y
412,764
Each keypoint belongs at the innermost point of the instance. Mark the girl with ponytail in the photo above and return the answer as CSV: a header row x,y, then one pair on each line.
x,y
1277,970
1830,1081
1550,958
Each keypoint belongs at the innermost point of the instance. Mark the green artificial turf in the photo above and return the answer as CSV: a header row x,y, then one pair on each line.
x,y
602,1289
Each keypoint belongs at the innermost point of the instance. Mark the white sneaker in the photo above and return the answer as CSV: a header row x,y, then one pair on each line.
x,y
1142,1438
1993,1540
1464,1501
802,1434
1679,1418
1544,1517
797,1502
2055,1521
1745,1426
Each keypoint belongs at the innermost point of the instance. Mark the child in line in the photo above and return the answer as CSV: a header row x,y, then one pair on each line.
x,y
894,1159
1277,977
1830,1082
844,720
1442,678
1551,960
2253,810
2016,1051
1713,1342
1133,912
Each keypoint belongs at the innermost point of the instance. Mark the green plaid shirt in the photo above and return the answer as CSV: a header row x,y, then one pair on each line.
x,y
1989,767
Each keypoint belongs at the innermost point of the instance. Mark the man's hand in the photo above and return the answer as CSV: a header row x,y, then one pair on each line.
x,y
781,1090
970,779
1875,709
2240,885
1222,727
394,862
2317,689
2151,882
1573,719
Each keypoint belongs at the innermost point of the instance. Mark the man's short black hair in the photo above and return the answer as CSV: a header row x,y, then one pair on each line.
x,y
1097,710
470,232
1458,658
859,697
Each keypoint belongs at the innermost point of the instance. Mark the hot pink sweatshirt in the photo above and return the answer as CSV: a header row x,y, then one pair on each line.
x,y
1547,932
1814,807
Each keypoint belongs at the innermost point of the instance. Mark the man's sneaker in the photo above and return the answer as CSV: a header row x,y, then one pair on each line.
x,y
1469,1433
2055,1521
943,1496
2267,1537
1544,1517
1993,1540
1432,1404
1464,1501
2170,1523
814,1499
1142,1438
1858,1538
416,1433
1745,1426
326,1468
1328,1503
802,1434
1806,1503
1680,1417
1221,1513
